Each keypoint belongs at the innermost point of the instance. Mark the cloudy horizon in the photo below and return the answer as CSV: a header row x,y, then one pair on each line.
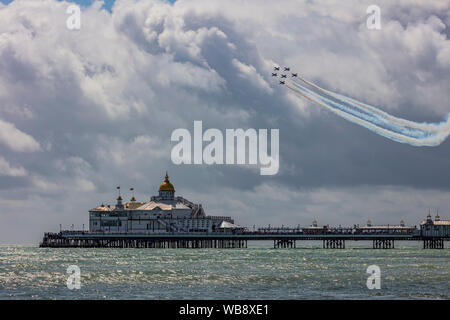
x,y
83,111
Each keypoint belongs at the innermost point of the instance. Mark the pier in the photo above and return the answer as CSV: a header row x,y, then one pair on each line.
x,y
169,221
80,239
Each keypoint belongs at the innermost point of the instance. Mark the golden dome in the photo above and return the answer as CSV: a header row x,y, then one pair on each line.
x,y
119,198
166,185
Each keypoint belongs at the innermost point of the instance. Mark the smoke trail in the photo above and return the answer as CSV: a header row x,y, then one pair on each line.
x,y
369,107
372,118
368,116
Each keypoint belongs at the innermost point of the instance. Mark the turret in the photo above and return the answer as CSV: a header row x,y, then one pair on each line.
x,y
166,189
429,220
119,204
133,199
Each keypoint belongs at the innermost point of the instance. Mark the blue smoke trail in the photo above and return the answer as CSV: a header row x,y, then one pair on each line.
x,y
372,118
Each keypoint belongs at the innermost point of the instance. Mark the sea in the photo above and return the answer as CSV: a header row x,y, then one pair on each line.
x,y
254,273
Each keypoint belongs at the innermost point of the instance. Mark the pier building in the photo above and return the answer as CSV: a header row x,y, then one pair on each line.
x,y
436,227
163,213
169,221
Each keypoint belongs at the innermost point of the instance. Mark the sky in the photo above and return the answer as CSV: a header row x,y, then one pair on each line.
x,y
83,111
107,4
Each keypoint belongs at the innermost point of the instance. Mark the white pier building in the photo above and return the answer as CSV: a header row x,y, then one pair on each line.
x,y
164,213
436,227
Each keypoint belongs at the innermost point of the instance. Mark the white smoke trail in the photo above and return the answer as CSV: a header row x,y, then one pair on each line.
x,y
374,119
368,116
381,131
424,126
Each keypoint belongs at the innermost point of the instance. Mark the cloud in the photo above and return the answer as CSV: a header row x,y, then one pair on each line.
x,y
7,170
250,74
100,105
333,206
16,139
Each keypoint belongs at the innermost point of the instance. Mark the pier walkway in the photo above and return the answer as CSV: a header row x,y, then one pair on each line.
x,y
82,239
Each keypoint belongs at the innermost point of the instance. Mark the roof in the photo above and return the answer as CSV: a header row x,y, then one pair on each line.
x,y
166,185
180,205
103,208
228,225
438,223
133,205
387,227
162,206
153,205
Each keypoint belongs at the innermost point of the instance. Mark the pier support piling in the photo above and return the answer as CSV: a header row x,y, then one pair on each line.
x,y
433,244
284,243
383,244
334,244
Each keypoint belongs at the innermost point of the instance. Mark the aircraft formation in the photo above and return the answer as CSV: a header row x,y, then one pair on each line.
x,y
283,75
370,117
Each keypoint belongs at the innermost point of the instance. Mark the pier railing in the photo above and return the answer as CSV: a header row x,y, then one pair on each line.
x,y
229,239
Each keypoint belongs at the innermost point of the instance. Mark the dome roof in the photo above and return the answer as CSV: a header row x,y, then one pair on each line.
x,y
166,185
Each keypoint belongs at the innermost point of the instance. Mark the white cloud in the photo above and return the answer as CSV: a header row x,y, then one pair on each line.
x,y
16,139
84,185
346,206
103,101
250,74
7,170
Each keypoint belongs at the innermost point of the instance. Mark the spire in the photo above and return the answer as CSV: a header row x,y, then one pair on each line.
x,y
119,198
429,220
166,185
119,204
132,198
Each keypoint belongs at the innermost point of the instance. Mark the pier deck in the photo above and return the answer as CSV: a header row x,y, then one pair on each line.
x,y
224,240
